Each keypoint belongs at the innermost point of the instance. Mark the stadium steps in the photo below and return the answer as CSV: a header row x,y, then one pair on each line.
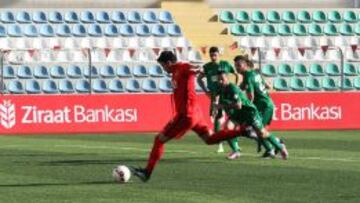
x,y
199,27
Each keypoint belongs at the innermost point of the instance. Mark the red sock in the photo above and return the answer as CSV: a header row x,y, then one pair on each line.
x,y
155,155
223,135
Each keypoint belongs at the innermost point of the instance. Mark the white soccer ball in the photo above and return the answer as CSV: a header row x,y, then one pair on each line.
x,y
121,174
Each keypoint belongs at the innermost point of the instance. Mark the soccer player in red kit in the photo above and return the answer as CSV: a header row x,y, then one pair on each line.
x,y
188,113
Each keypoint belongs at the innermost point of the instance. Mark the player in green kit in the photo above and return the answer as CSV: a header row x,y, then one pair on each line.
x,y
243,112
210,73
257,92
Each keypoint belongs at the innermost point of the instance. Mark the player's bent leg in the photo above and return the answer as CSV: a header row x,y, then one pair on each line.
x,y
233,143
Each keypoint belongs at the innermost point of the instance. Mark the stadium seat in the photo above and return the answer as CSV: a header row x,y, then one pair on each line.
x,y
273,17
166,17
329,84
116,86
349,69
118,17
143,30
99,86
123,71
227,17
346,30
14,31
133,85
107,71
57,72
253,30
39,17
347,85
66,86
258,17
350,17
74,71
269,70
102,17
55,17
357,83
174,30
315,30
150,17
87,17
289,17
95,30
238,30
285,70
32,87
319,17
30,31
127,30
49,87
8,72
2,31
300,70
299,30
156,71
41,72
79,30
134,17
158,30
165,85
304,17
334,16
332,69
284,30
330,30
140,71
313,84
316,70
242,17
280,84
111,31
7,17
24,72
15,87
46,30
71,17
149,85
94,72
63,30
269,30
82,86
23,17
297,84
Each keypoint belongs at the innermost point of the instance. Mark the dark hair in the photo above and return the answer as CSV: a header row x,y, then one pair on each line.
x,y
244,58
213,49
166,56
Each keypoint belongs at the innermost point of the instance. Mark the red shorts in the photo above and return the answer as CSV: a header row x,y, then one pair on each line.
x,y
180,124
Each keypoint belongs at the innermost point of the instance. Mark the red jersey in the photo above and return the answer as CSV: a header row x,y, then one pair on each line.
x,y
183,80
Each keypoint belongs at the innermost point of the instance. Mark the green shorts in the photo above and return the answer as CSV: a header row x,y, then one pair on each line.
x,y
266,114
250,118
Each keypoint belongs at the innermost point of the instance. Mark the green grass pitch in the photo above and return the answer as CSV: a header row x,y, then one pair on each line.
x,y
324,166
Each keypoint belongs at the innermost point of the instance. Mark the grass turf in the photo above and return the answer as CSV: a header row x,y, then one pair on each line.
x,y
323,167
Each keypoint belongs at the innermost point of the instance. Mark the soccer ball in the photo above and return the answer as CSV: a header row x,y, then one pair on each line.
x,y
121,174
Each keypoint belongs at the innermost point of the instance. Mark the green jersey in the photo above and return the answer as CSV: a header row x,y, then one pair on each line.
x,y
254,83
211,70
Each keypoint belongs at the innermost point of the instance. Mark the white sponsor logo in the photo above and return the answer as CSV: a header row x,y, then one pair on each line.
x,y
7,114
289,112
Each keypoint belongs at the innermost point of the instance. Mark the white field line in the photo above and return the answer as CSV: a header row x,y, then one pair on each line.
x,y
184,151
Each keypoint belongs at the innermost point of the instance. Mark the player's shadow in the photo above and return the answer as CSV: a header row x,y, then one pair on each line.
x,y
56,184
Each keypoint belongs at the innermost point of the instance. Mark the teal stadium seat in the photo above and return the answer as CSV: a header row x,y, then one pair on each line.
x,y
102,17
347,85
273,17
350,69
82,86
242,17
284,30
300,70
316,70
227,17
23,17
258,17
297,84
319,17
269,70
330,30
116,86
350,16
288,17
357,29
253,30
118,17
304,17
99,86
332,69
330,84
238,30
346,30
334,16
8,72
285,70
46,31
66,87
299,30
94,72
32,87
313,84
280,84
315,30
107,71
71,17
49,87
268,30
357,83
